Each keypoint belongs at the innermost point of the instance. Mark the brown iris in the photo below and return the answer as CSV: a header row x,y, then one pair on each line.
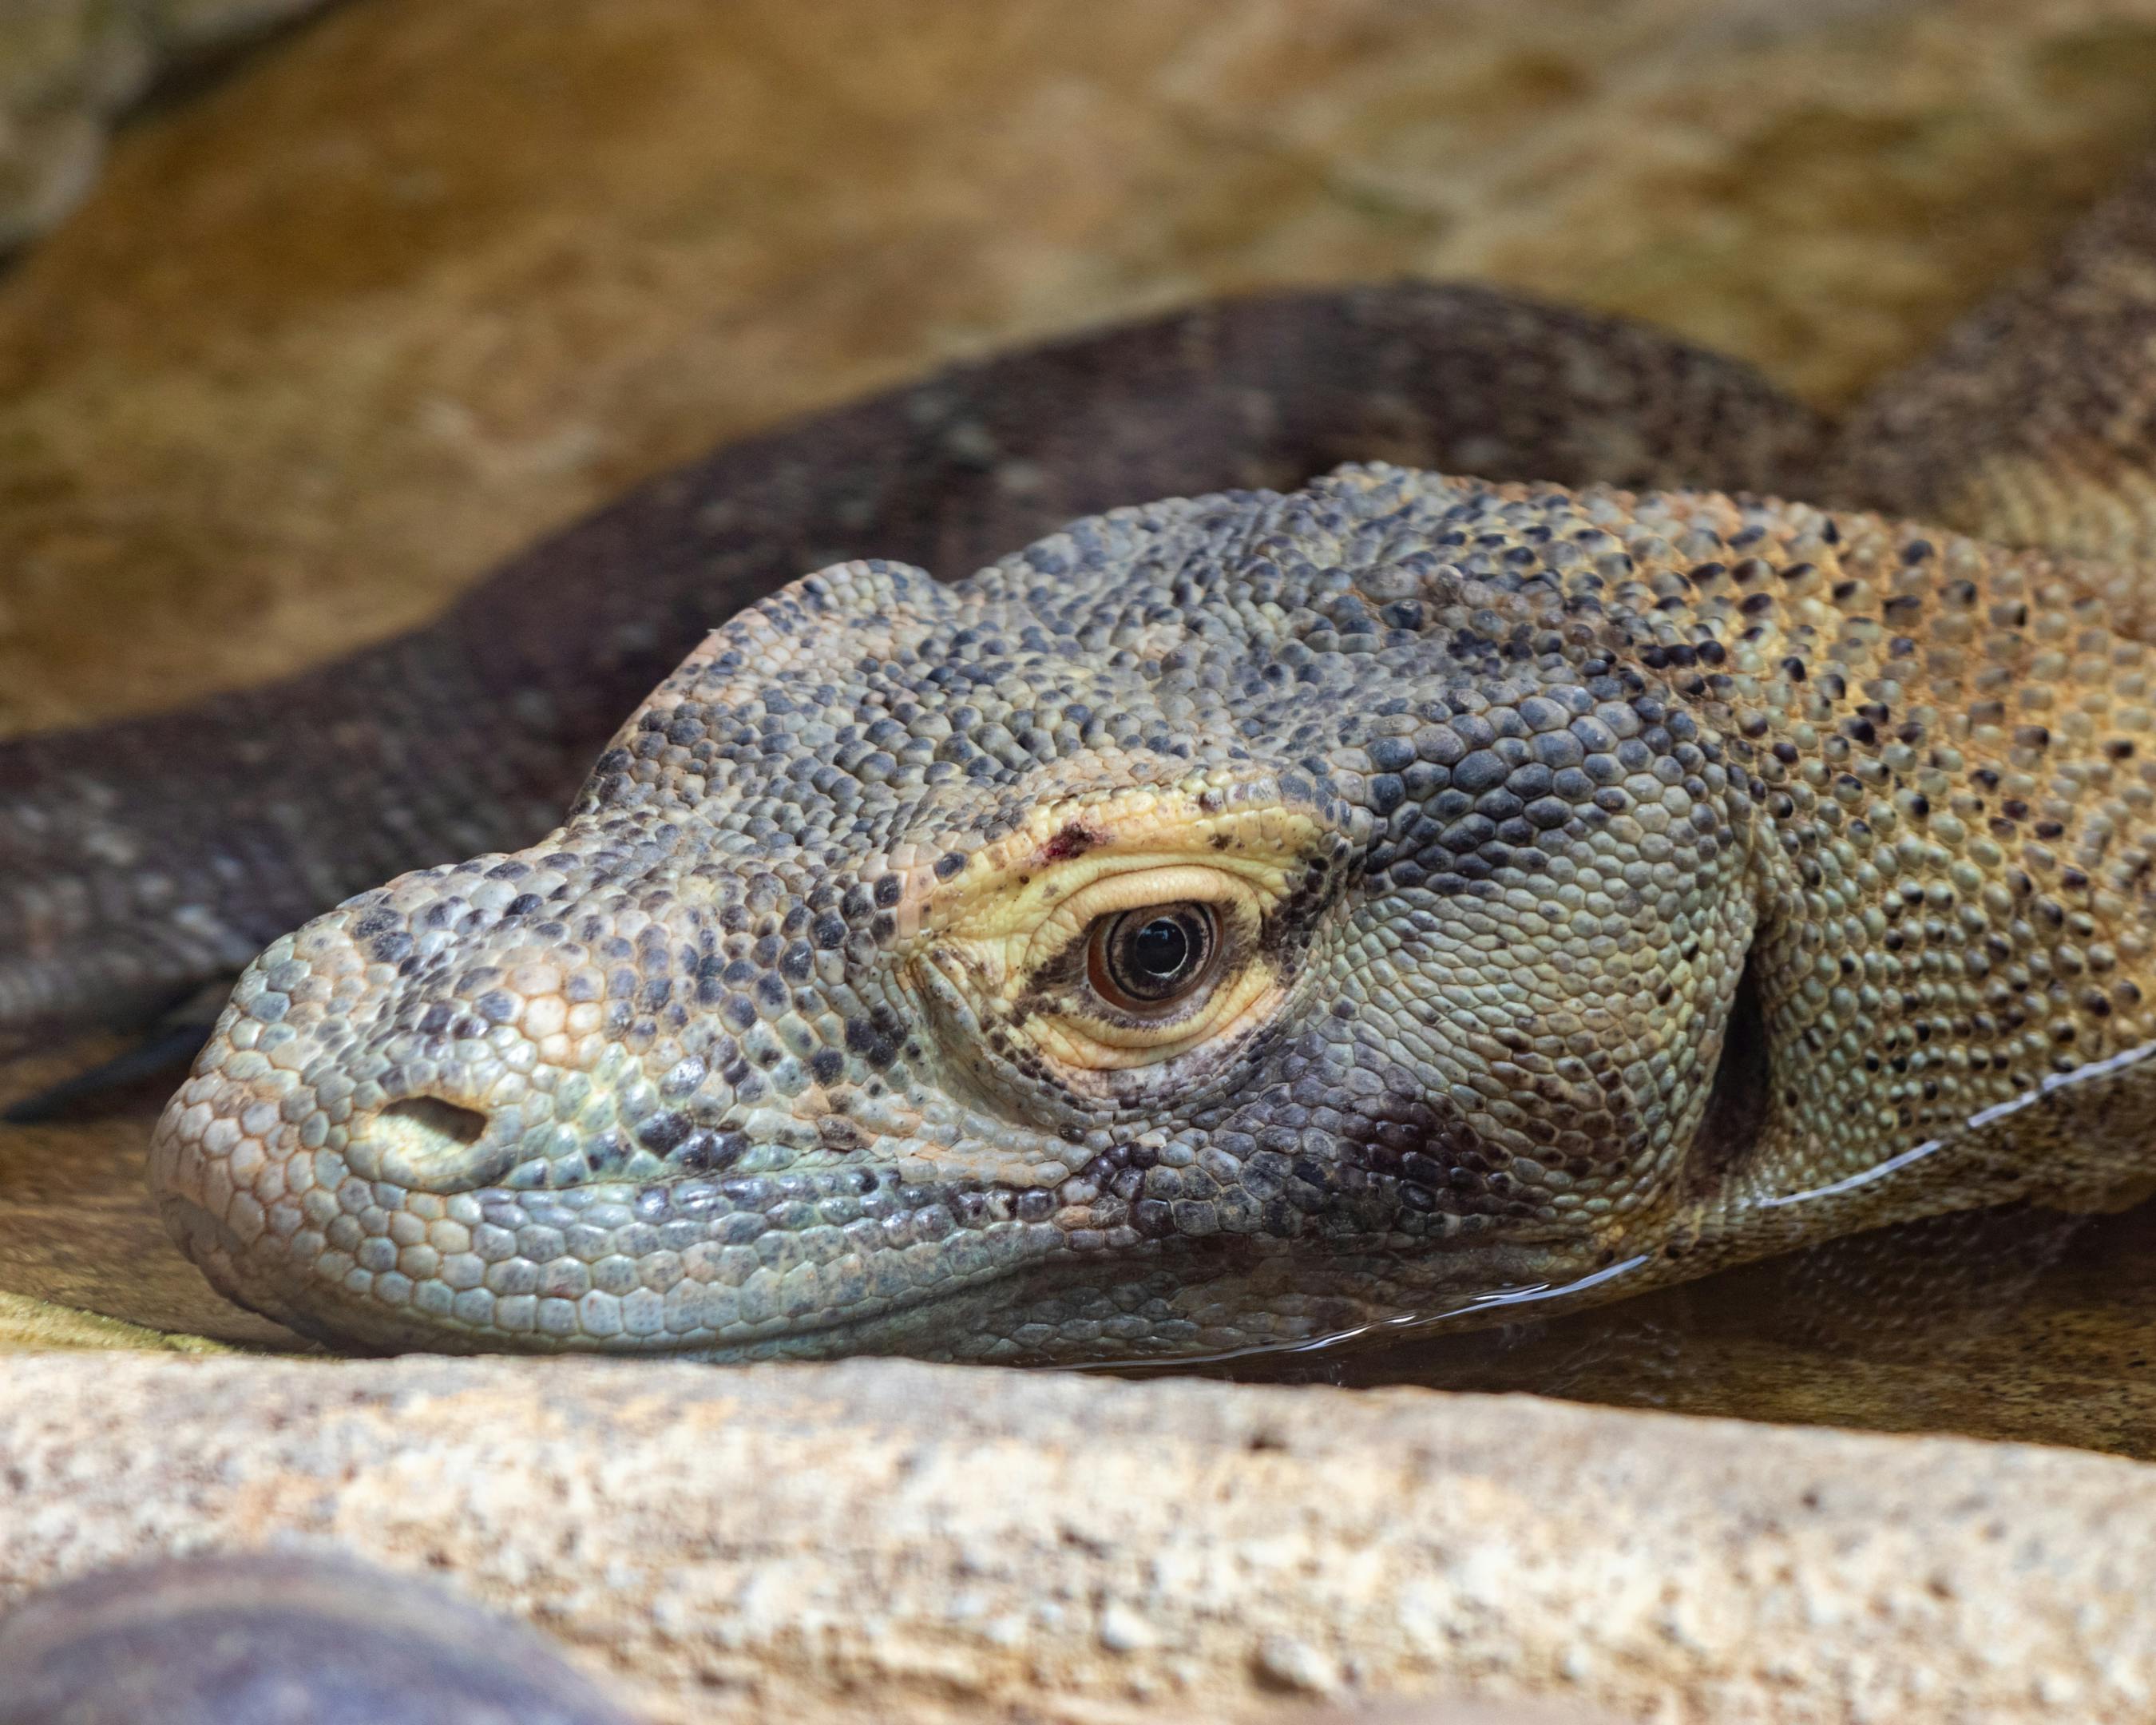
x,y
1153,957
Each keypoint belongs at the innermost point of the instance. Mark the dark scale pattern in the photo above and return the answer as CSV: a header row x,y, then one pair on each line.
x,y
1522,813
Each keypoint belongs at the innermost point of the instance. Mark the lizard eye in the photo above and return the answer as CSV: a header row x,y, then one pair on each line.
x,y
1150,943
1153,956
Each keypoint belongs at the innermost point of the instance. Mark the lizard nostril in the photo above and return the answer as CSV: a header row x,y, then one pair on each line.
x,y
425,1120
428,1145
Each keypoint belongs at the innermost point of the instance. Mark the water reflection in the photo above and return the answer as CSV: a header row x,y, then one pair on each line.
x,y
2014,1323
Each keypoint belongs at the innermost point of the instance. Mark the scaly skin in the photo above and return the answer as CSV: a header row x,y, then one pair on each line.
x,y
2033,422
1602,885
788,1041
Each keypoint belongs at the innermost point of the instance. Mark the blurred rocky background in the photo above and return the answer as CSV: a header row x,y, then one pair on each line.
x,y
414,280
69,69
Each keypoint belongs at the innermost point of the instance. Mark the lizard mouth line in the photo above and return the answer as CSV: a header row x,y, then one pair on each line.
x,y
982,1258
1550,1296
1478,1283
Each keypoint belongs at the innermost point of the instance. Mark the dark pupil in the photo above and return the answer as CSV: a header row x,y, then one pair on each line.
x,y
1160,949
1155,955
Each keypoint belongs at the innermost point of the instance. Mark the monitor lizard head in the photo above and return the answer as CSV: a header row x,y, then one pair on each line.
x,y
1226,923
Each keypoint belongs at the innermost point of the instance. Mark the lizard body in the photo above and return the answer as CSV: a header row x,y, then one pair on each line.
x,y
1401,887
1232,921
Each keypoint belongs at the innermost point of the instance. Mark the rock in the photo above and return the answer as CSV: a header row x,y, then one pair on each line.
x,y
69,68
1123,1631
80,1232
889,1541
1468,1712
28,1325
278,1637
1287,1662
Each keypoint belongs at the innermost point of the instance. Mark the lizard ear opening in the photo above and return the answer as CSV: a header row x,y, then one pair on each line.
x,y
1743,1080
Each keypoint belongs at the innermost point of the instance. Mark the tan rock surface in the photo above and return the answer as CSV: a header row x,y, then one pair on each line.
x,y
893,1541
32,1326
69,68
80,1242
428,280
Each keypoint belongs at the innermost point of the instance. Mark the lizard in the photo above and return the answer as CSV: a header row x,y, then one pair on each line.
x,y
1262,915
142,859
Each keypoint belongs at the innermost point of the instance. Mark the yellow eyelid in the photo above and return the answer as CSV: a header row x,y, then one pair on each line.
x,y
1024,898
1131,888
1240,1001
1010,887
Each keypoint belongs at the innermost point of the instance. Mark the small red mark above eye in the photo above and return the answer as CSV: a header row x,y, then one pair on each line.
x,y
1074,840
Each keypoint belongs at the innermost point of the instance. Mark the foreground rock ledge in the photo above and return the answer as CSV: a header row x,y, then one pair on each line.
x,y
887,1540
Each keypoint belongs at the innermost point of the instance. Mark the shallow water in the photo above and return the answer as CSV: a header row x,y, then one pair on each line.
x,y
2018,1323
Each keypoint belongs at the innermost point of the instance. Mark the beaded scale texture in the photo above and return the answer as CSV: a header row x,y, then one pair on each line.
x,y
1601,881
